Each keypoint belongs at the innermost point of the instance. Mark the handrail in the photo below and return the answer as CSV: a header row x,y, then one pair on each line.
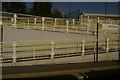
x,y
25,21
10,52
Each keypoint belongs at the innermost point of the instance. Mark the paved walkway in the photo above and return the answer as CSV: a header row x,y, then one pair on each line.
x,y
58,69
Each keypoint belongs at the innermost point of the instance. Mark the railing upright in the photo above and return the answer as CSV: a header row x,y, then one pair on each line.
x,y
55,24
73,22
116,48
28,23
87,28
43,23
67,25
0,52
34,53
12,21
81,18
52,50
35,20
83,47
107,45
14,56
15,20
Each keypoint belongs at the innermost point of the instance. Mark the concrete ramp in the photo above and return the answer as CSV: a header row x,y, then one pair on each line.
x,y
29,35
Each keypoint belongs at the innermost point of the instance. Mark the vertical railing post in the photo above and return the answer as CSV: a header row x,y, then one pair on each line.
x,y
81,18
67,25
107,45
12,21
14,52
34,53
98,20
0,48
15,20
52,50
87,25
35,22
43,23
94,47
116,48
1,52
28,23
73,22
78,48
55,24
83,47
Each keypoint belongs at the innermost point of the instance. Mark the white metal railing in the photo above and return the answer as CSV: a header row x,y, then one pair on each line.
x,y
14,52
19,52
82,25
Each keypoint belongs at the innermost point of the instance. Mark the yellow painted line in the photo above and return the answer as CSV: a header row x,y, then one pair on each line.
x,y
48,25
44,51
6,45
29,24
27,52
102,44
101,40
87,47
6,17
90,44
62,27
25,49
49,21
66,46
89,50
35,44
112,44
58,23
72,28
113,40
43,48
49,29
90,41
19,18
8,50
66,43
10,54
67,49
7,21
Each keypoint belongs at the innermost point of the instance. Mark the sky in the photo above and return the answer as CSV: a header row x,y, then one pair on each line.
x,y
88,7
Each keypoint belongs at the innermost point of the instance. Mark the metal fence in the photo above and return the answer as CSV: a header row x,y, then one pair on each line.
x,y
16,52
82,25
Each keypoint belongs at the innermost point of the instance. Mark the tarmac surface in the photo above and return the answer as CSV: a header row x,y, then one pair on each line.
x,y
56,69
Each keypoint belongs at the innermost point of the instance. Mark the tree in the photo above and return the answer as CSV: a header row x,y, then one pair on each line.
x,y
57,13
5,6
42,8
14,7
